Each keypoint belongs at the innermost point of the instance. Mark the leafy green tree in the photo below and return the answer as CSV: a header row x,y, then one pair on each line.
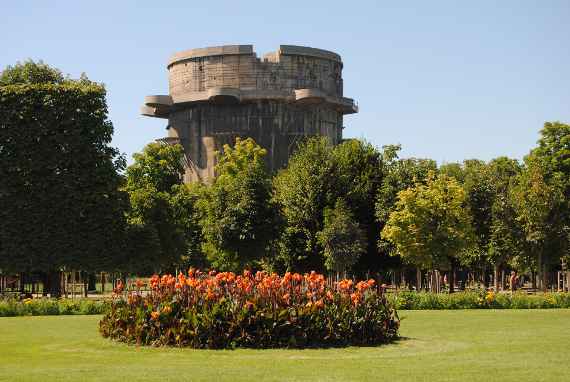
x,y
31,72
357,174
317,176
480,194
342,239
162,212
554,150
239,220
454,170
505,237
398,175
158,166
301,191
430,226
538,202
59,181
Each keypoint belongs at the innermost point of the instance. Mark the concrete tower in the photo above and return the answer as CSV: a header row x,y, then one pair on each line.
x,y
220,93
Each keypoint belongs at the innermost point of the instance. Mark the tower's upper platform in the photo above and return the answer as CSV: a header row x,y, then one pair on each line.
x,y
234,74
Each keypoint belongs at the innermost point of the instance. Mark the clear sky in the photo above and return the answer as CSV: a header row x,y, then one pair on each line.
x,y
449,80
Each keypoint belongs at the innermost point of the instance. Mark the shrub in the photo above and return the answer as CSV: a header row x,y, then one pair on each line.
x,y
477,300
225,310
51,307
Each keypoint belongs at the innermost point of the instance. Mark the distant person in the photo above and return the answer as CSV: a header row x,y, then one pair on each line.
x,y
513,281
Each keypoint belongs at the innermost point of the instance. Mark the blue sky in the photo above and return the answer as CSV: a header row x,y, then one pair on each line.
x,y
449,80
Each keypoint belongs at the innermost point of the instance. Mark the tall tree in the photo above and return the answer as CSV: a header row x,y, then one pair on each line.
x,y
505,237
238,216
398,175
480,194
554,150
317,176
59,177
357,174
160,210
538,202
300,191
430,226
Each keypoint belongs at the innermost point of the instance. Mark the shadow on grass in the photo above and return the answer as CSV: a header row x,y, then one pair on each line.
x,y
394,341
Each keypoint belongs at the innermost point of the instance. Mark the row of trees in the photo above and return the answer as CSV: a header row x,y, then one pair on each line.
x,y
69,202
353,208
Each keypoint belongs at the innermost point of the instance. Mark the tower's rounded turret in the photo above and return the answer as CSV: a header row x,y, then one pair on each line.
x,y
219,93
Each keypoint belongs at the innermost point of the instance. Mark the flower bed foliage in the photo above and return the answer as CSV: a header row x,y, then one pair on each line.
x,y
226,310
478,300
51,307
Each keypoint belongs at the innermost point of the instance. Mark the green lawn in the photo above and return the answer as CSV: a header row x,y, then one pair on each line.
x,y
474,345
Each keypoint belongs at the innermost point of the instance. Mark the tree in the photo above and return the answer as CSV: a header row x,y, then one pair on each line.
x,y
357,174
554,150
342,239
59,179
30,73
162,211
475,178
398,175
300,191
159,166
538,202
430,226
505,237
317,176
238,218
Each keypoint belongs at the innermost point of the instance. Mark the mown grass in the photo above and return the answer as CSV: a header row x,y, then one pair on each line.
x,y
467,345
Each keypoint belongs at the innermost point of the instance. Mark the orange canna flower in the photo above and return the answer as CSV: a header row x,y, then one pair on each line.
x,y
154,315
356,298
362,286
167,309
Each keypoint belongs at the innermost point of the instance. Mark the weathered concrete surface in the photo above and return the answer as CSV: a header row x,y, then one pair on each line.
x,y
220,93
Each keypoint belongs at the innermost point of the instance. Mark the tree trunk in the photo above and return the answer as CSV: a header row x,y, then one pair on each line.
x,y
45,284
485,278
418,279
85,280
451,278
503,279
103,281
92,281
496,270
540,272
54,284
22,283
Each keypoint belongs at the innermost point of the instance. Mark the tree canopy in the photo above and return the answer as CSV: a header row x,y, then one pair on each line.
x,y
59,176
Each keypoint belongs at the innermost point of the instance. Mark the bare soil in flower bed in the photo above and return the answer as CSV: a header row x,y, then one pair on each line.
x,y
225,310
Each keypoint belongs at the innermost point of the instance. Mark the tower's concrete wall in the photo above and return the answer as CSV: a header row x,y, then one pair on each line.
x,y
219,93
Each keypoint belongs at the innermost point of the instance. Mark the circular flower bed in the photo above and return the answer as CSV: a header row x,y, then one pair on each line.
x,y
226,310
